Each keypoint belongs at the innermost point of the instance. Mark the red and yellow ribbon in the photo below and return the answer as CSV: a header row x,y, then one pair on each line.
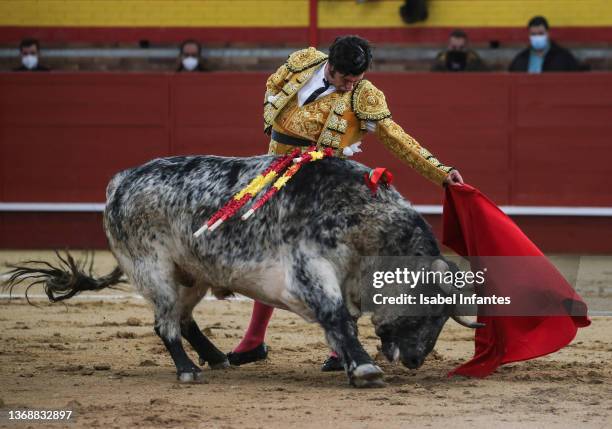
x,y
248,192
309,156
261,181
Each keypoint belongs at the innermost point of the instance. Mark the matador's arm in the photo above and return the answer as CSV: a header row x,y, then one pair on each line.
x,y
275,82
369,105
410,151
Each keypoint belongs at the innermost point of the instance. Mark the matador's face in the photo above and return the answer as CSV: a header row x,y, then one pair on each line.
x,y
342,82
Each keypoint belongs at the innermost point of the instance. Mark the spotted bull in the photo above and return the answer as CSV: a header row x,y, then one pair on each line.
x,y
302,252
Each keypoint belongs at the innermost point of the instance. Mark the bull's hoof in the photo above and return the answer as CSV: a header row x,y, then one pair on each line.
x,y
224,364
190,377
220,362
367,375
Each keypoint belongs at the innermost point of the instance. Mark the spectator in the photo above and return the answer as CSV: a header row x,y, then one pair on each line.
x,y
543,54
458,57
29,50
190,58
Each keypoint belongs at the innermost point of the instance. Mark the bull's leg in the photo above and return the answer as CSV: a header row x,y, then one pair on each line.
x,y
203,346
154,280
314,280
341,334
189,295
186,370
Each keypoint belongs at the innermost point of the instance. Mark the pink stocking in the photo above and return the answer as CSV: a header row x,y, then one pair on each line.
x,y
256,331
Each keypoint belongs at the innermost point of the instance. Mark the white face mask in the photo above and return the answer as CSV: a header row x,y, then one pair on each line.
x,y
539,42
190,63
29,61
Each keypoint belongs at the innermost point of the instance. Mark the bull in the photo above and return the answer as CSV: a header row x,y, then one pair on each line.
x,y
301,252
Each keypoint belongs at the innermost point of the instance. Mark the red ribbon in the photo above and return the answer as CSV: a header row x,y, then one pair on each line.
x,y
376,177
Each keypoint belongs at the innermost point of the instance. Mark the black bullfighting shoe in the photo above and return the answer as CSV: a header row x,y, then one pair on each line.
x,y
332,363
240,358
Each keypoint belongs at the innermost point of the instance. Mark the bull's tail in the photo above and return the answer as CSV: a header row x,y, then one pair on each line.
x,y
63,281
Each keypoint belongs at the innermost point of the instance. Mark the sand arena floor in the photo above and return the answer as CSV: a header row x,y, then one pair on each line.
x,y
101,359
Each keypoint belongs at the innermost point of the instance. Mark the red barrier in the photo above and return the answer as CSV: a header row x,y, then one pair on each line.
x,y
523,140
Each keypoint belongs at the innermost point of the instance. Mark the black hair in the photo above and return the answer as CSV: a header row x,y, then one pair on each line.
x,y
191,42
459,34
29,42
350,55
536,21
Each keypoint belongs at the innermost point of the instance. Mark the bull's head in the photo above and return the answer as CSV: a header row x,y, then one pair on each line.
x,y
409,333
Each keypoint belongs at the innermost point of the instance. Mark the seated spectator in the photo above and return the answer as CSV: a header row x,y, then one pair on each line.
x,y
458,57
543,54
190,57
29,50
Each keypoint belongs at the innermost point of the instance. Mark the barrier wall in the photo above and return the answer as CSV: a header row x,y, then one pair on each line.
x,y
523,140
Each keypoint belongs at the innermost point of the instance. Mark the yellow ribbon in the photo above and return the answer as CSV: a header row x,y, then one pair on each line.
x,y
256,185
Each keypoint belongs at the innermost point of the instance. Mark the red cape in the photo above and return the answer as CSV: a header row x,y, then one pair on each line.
x,y
474,226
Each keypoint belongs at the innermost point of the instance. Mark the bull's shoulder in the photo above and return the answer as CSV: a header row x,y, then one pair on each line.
x,y
305,59
368,102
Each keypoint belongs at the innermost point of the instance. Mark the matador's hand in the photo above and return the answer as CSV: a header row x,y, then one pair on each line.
x,y
453,178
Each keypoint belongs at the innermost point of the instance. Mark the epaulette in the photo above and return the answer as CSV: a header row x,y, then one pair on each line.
x,y
368,102
305,59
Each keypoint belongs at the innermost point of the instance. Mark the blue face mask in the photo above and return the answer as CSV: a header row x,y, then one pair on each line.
x,y
539,42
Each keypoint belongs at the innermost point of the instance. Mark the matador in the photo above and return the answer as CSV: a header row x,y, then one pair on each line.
x,y
321,100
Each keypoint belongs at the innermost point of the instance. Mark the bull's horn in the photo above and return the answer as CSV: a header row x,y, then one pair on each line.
x,y
467,322
441,266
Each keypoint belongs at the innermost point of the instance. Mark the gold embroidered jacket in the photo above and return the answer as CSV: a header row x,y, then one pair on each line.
x,y
339,119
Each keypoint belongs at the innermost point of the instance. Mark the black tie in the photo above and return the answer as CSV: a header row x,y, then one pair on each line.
x,y
317,92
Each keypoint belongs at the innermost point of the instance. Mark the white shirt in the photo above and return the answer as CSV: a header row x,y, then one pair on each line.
x,y
314,83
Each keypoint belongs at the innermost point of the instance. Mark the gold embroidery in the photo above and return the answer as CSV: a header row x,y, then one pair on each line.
x,y
305,76
269,113
328,138
290,88
273,148
286,93
276,148
369,103
276,80
424,152
340,107
408,150
307,121
280,101
336,123
305,58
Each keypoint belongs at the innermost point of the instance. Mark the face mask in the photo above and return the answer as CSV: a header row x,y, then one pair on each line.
x,y
190,63
29,61
456,60
539,42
